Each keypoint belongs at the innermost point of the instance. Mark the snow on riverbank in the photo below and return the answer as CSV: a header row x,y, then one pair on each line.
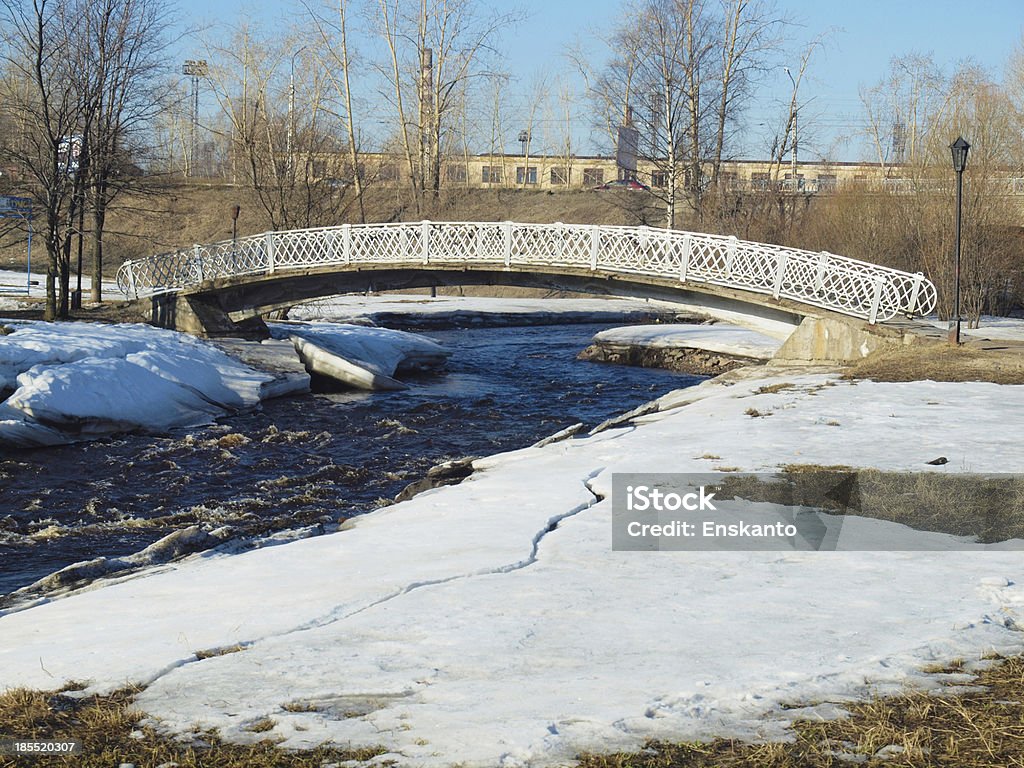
x,y
357,308
490,623
78,381
721,338
995,328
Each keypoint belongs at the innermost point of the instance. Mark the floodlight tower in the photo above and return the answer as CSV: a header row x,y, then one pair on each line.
x,y
195,69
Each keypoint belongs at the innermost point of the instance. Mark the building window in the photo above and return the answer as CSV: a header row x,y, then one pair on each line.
x,y
560,177
319,169
593,177
526,174
456,173
727,180
760,182
491,174
388,172
827,182
659,179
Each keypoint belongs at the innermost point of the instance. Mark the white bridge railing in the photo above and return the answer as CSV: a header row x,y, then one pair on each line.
x,y
851,287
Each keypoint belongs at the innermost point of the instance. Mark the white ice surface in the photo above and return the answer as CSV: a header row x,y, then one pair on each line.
x,y
464,627
370,308
76,380
378,350
357,307
722,338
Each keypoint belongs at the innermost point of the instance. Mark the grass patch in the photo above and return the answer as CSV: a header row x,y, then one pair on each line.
x,y
979,729
940,362
211,653
771,389
111,734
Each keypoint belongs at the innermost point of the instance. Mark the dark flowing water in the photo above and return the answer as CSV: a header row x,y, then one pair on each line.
x,y
309,459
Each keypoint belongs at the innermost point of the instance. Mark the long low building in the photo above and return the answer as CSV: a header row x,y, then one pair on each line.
x,y
554,172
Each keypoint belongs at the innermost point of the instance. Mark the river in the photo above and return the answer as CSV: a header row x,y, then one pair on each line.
x,y
307,460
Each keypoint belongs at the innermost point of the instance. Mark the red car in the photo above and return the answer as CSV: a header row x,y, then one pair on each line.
x,y
628,185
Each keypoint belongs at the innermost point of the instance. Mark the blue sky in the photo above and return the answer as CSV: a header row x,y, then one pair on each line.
x,y
866,35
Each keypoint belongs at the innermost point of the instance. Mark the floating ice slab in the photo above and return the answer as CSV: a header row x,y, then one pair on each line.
x,y
366,358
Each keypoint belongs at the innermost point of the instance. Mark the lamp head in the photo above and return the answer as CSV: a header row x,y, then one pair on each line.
x,y
959,149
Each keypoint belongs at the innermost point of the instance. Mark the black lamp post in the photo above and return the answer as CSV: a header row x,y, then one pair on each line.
x,y
959,149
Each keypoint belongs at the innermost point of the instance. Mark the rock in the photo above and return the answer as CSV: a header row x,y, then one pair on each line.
x,y
938,462
446,473
698,362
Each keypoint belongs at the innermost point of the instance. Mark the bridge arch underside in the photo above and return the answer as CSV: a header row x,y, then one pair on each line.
x,y
232,306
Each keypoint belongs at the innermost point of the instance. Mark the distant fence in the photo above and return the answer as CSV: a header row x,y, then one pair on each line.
x,y
848,286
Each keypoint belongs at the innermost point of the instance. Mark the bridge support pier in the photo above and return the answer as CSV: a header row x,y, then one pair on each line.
x,y
202,316
834,340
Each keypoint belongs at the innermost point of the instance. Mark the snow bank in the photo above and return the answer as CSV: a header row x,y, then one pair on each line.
x,y
490,623
366,358
720,338
994,328
457,309
74,381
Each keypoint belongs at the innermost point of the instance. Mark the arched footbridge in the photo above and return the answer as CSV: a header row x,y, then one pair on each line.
x,y
208,289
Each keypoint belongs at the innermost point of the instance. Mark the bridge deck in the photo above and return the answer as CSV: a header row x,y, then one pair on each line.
x,y
710,262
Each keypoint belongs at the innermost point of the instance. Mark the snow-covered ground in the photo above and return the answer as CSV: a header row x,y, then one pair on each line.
x,y
1001,328
722,338
13,285
78,381
490,623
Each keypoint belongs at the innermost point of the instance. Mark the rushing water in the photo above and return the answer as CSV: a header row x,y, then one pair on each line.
x,y
309,459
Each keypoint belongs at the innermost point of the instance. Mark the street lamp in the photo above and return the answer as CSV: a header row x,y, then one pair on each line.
x,y
195,69
959,149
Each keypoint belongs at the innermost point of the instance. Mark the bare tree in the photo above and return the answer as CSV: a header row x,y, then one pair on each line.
x,y
128,43
430,55
752,37
661,67
333,32
280,130
43,94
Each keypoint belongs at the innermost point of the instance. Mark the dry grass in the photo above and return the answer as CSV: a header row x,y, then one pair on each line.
x,y
979,729
213,652
771,389
111,734
940,362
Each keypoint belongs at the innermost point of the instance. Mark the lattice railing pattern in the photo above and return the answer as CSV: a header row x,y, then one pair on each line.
x,y
823,279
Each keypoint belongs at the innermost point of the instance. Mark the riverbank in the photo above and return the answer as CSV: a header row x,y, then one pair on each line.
x,y
703,350
615,648
419,312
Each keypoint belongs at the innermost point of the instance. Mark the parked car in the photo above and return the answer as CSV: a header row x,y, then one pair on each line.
x,y
627,185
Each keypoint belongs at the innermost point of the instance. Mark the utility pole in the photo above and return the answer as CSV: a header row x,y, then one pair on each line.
x,y
796,128
195,69
289,149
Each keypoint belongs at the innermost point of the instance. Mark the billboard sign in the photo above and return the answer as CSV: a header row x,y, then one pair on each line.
x,y
627,149
15,205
